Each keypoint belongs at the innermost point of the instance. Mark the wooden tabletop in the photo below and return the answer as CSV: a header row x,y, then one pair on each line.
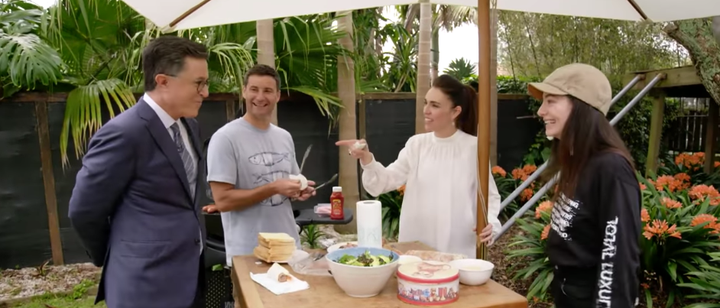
x,y
325,293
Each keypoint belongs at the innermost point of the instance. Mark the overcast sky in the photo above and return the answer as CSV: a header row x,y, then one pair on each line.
x,y
460,43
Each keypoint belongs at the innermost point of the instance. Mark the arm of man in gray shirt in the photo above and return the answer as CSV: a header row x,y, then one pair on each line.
x,y
222,176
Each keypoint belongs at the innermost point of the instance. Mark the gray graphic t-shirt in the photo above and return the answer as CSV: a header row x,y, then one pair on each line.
x,y
247,157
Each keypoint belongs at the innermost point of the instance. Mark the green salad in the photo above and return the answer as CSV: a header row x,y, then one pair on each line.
x,y
365,260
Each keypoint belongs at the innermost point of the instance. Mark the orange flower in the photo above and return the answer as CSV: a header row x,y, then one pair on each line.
x,y
529,169
703,218
670,203
684,177
660,229
545,232
545,206
401,190
499,171
691,161
684,180
700,192
669,181
716,164
526,194
642,186
644,216
519,174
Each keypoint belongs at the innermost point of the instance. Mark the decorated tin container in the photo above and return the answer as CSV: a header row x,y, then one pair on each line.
x,y
428,283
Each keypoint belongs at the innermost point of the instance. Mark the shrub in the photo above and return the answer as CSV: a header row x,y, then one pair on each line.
x,y
507,183
706,283
680,240
532,243
391,206
680,229
690,164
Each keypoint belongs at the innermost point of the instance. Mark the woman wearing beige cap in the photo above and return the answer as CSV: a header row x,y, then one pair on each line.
x,y
595,226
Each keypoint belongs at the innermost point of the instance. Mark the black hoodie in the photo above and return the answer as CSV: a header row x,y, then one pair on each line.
x,y
600,229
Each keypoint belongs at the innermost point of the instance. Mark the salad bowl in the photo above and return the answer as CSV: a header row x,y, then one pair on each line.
x,y
362,271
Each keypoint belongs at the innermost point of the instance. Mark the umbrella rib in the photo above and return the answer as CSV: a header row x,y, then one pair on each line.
x,y
638,9
188,12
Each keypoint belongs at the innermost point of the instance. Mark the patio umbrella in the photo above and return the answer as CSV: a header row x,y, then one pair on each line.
x,y
186,14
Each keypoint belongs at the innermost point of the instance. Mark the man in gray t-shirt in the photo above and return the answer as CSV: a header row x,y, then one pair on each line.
x,y
249,161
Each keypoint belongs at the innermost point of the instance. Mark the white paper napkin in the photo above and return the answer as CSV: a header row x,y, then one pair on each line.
x,y
278,288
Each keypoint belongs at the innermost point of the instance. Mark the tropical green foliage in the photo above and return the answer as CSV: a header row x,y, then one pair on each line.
x,y
391,205
679,232
26,59
460,68
706,282
530,246
311,235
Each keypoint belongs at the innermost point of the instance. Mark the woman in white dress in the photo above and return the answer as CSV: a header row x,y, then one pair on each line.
x,y
439,171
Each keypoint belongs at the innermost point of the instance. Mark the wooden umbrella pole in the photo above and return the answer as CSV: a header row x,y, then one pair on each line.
x,y
483,134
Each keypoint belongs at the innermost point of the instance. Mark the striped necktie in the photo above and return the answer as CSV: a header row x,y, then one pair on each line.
x,y
190,169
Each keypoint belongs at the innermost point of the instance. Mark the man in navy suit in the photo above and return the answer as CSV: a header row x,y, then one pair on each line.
x,y
135,204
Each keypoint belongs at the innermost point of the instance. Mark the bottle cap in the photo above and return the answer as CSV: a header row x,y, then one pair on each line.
x,y
337,189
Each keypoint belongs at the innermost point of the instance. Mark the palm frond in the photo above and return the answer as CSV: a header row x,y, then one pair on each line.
x,y
234,60
325,102
83,112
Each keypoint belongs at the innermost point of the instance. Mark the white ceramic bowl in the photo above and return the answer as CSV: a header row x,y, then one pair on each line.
x,y
341,244
473,272
358,281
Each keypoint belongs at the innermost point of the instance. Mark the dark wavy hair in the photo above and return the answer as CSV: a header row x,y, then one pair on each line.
x,y
587,132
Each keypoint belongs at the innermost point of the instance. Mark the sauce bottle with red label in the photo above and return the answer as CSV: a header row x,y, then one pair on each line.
x,y
337,200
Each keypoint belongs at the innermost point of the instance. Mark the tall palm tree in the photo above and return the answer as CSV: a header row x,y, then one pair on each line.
x,y
266,50
445,16
423,76
347,120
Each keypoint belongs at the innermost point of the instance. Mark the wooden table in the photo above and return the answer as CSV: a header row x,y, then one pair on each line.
x,y
325,293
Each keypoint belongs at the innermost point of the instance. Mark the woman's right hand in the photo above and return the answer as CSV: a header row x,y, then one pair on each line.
x,y
362,153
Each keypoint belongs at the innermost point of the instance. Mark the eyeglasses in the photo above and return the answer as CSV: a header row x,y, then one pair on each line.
x,y
201,84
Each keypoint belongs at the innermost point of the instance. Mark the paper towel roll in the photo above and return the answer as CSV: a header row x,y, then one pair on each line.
x,y
369,223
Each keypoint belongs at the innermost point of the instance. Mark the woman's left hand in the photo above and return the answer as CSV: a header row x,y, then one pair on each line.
x,y
485,235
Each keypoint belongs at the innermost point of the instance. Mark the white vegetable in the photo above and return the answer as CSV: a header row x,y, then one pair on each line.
x,y
359,145
303,180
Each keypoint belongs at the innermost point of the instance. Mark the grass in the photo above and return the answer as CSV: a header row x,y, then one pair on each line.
x,y
78,298
50,301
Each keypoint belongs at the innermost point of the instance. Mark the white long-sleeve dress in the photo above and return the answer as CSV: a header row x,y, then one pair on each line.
x,y
439,205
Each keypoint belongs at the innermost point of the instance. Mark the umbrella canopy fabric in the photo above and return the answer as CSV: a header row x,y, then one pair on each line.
x,y
654,10
188,14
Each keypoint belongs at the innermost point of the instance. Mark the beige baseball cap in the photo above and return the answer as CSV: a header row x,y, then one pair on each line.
x,y
582,81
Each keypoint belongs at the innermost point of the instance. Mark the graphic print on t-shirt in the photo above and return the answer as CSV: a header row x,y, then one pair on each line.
x,y
270,159
562,216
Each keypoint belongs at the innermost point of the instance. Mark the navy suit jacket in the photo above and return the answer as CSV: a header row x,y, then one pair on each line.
x,y
132,209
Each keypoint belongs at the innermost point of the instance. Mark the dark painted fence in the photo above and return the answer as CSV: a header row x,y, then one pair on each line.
x,y
35,190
